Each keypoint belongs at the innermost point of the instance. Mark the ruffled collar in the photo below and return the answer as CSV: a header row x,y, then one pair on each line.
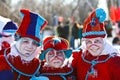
x,y
108,49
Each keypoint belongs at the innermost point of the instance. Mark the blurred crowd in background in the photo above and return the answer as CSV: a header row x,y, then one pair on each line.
x,y
67,20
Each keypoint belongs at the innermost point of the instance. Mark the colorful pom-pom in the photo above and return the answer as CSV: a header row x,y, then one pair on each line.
x,y
100,13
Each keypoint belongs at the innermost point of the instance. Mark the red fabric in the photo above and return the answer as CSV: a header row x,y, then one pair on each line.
x,y
25,22
94,36
87,21
49,42
98,27
109,70
3,64
43,26
112,14
28,68
57,70
76,58
117,14
5,45
28,19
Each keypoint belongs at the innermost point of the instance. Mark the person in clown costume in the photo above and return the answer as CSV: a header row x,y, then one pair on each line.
x,y
55,52
21,62
7,31
97,59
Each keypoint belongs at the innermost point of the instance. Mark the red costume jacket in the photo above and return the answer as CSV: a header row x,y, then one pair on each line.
x,y
65,73
88,67
20,66
3,64
27,68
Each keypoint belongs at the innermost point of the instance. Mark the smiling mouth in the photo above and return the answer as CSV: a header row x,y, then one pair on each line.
x,y
29,50
94,50
27,54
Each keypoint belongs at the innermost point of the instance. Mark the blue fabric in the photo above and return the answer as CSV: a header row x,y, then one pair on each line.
x,y
6,75
10,27
19,72
66,52
40,78
93,23
32,25
40,22
100,13
42,55
94,33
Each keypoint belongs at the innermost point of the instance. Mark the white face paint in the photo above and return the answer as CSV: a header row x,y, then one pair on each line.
x,y
95,45
26,46
55,58
8,39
